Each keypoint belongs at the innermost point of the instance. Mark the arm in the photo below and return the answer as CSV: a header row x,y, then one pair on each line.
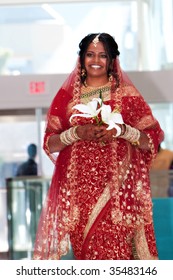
x,y
55,144
58,142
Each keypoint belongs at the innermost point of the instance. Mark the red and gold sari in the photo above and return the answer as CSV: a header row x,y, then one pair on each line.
x,y
99,199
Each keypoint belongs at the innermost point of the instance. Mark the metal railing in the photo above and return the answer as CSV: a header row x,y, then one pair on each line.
x,y
24,200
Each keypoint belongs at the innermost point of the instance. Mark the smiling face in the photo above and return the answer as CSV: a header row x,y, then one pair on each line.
x,y
96,64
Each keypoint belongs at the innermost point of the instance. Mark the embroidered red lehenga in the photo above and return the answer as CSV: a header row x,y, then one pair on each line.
x,y
99,198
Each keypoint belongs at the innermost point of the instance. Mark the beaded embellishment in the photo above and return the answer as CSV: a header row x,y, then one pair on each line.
x,y
95,40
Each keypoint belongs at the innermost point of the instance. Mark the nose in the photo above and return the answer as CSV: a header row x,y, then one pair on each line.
x,y
96,58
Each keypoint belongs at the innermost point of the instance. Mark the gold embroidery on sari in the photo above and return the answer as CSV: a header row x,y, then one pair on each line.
x,y
141,246
69,108
98,207
145,122
134,252
129,90
54,123
88,93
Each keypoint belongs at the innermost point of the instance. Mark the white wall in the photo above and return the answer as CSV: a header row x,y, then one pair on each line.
x,y
15,92
155,86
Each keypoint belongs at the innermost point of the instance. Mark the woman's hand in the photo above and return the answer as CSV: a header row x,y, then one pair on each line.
x,y
95,132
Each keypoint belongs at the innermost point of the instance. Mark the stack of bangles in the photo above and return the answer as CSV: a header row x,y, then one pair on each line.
x,y
126,132
130,134
69,136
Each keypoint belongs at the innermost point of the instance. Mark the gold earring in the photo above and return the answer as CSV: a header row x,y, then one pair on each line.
x,y
83,73
110,77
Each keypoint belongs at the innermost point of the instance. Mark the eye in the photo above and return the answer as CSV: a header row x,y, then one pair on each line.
x,y
89,54
103,55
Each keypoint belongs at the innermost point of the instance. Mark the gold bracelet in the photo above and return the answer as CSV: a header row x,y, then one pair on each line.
x,y
131,134
69,136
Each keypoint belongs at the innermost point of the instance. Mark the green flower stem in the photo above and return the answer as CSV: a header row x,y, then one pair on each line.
x,y
97,121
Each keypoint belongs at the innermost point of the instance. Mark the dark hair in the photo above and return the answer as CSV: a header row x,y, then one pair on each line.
x,y
109,43
32,150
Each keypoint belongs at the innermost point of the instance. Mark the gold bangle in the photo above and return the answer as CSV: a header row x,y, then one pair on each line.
x,y
123,129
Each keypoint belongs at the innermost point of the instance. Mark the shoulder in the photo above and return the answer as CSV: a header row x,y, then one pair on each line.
x,y
59,102
61,94
20,169
132,98
130,90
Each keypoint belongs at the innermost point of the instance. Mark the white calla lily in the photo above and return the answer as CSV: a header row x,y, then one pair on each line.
x,y
110,118
89,110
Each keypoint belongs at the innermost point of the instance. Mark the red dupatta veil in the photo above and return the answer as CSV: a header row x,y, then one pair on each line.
x,y
93,183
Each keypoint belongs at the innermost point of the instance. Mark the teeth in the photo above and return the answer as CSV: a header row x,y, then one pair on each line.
x,y
95,66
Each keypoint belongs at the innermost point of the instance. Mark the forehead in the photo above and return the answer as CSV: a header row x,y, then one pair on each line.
x,y
98,48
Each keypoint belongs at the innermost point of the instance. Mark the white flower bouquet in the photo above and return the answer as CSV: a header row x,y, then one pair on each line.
x,y
101,112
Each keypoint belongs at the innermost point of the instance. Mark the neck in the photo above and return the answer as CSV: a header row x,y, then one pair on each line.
x,y
96,82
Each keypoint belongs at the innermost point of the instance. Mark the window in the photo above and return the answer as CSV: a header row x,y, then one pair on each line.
x,y
44,38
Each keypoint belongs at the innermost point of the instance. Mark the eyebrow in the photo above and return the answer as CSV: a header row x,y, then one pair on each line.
x,y
98,52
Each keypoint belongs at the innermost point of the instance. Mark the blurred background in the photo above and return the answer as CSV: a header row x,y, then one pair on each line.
x,y
38,48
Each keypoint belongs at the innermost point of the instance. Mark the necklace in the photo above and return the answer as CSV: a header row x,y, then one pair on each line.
x,y
88,91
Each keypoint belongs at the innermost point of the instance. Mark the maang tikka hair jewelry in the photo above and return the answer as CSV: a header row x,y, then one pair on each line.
x,y
95,40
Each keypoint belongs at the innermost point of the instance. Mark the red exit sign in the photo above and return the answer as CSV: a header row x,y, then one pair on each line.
x,y
37,87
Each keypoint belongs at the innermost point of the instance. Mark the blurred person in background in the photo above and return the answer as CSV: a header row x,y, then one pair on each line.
x,y
29,167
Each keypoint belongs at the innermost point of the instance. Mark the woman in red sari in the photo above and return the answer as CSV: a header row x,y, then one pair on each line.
x,y
99,200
